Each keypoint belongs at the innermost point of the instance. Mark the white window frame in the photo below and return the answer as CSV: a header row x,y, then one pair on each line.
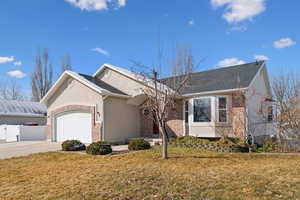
x,y
227,109
212,104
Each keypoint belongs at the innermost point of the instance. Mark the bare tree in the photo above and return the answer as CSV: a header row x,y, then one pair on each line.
x,y
66,63
163,95
10,90
286,89
41,78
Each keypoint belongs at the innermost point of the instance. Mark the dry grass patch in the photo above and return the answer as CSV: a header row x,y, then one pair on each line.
x,y
188,174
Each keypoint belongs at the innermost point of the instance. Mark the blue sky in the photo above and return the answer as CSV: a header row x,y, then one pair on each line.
x,y
94,32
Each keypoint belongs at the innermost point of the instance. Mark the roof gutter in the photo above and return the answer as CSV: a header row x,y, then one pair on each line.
x,y
214,92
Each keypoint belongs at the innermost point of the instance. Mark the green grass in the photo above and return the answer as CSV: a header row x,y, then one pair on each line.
x,y
188,174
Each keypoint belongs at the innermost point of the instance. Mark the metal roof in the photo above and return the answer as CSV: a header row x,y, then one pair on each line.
x,y
22,108
227,78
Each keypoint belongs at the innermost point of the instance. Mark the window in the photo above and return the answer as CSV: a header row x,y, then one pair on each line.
x,y
222,109
202,110
186,111
270,114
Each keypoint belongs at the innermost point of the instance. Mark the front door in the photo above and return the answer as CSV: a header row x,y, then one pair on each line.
x,y
186,117
155,128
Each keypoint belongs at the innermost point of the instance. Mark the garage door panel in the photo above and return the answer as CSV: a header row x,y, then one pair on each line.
x,y
74,125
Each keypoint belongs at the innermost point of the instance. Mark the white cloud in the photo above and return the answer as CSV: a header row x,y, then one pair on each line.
x,y
6,59
122,3
101,51
239,28
283,43
16,74
191,22
91,5
240,10
230,62
17,63
261,57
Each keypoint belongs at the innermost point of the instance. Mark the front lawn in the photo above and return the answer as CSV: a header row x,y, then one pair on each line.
x,y
188,174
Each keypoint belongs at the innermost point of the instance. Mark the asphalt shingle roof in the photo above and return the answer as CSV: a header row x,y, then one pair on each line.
x,y
102,84
22,108
239,76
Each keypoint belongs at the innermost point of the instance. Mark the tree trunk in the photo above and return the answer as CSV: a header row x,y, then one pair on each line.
x,y
164,141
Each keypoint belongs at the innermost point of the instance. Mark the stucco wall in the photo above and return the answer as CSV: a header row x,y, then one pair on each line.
x,y
121,82
256,95
72,92
15,120
121,121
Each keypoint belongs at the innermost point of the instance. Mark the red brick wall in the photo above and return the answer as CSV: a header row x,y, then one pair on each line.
x,y
238,122
174,123
96,127
238,116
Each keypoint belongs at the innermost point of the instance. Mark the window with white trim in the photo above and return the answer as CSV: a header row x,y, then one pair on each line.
x,y
222,109
202,110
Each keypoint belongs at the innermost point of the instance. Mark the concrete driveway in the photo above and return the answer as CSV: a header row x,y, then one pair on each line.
x,y
16,149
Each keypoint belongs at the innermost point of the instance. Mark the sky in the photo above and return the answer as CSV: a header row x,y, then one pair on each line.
x,y
93,32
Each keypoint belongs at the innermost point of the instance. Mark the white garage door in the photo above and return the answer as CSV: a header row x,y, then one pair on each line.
x,y
74,125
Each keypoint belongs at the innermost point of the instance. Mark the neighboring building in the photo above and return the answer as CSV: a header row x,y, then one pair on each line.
x,y
22,112
107,105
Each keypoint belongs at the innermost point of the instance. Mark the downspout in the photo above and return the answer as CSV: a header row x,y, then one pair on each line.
x,y
102,127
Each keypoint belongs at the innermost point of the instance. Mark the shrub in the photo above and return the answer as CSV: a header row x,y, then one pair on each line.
x,y
138,144
72,145
269,146
225,141
191,140
99,148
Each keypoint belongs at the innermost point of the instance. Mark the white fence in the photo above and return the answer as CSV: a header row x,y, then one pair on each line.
x,y
13,133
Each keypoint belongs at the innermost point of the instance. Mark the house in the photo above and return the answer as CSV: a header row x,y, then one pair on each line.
x,y
230,101
22,112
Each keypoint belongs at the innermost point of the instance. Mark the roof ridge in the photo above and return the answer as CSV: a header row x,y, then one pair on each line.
x,y
222,68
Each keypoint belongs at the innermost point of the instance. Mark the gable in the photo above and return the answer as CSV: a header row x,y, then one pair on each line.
x,y
71,92
119,81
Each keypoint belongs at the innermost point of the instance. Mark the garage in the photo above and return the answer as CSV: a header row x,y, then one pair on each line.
x,y
74,125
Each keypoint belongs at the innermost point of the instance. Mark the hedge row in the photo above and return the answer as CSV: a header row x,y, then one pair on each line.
x,y
219,145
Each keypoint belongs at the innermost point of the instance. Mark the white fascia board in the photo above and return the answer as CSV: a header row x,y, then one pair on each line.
x,y
214,92
94,86
81,80
257,74
52,89
144,81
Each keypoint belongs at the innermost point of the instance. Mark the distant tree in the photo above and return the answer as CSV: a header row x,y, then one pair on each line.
x,y
66,63
42,77
10,90
286,90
